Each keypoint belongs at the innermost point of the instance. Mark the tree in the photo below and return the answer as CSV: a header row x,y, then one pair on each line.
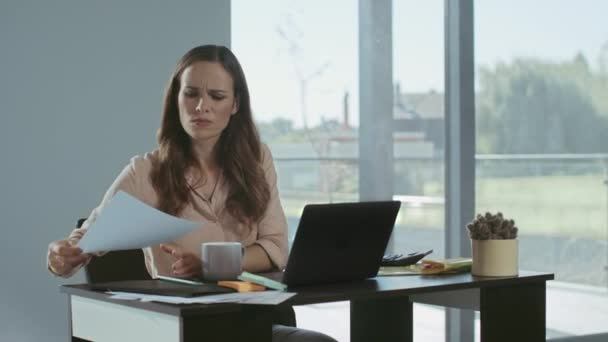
x,y
531,106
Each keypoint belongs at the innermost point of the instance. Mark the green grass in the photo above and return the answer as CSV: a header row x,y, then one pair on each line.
x,y
550,205
574,206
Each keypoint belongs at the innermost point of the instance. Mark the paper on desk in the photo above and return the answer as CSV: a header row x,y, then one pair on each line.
x,y
127,223
258,297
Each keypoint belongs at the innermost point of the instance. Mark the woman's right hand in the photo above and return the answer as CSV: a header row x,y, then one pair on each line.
x,y
63,257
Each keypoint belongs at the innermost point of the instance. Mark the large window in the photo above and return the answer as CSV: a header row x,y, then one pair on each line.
x,y
542,133
541,79
303,61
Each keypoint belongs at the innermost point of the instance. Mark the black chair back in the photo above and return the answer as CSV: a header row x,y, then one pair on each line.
x,y
117,265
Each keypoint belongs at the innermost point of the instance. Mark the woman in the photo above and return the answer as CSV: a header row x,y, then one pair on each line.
x,y
210,167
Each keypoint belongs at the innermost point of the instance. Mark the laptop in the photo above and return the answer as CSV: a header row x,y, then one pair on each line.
x,y
338,242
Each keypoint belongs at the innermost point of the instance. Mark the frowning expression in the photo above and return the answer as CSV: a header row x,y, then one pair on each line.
x,y
206,101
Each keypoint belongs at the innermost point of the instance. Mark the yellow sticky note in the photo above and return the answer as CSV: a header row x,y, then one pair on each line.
x,y
241,286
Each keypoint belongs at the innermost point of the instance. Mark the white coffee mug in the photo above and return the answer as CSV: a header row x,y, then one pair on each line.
x,y
221,260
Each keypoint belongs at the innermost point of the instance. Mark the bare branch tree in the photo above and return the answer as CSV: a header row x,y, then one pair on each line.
x,y
290,33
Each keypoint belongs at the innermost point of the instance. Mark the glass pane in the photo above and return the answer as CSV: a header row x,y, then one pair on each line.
x,y
304,83
419,124
542,128
302,68
304,94
418,69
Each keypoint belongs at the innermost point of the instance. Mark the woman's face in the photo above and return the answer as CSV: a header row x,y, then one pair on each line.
x,y
206,101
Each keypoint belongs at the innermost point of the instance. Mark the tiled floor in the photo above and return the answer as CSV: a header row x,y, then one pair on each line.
x,y
571,311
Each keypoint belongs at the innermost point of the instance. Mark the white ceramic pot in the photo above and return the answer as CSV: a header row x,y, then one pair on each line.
x,y
495,258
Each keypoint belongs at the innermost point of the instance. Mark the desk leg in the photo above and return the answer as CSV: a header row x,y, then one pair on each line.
x,y
252,324
386,319
513,313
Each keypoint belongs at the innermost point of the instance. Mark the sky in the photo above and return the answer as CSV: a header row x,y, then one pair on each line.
x,y
311,77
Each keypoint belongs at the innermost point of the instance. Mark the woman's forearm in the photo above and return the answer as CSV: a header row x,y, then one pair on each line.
x,y
256,259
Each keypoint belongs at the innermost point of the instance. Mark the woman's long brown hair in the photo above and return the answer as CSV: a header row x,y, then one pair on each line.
x,y
238,150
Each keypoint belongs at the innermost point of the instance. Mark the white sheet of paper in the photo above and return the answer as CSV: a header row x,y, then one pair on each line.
x,y
257,297
128,223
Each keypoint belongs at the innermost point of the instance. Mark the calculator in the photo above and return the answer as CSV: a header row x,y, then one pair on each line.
x,y
403,259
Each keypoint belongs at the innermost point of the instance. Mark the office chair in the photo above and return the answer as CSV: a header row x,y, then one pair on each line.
x,y
116,265
130,265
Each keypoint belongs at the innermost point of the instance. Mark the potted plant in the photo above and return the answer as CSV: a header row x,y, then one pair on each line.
x,y
494,245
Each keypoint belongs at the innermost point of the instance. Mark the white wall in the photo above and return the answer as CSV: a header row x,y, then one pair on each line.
x,y
81,86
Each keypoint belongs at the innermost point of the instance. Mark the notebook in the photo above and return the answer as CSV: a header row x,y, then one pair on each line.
x,y
161,287
338,242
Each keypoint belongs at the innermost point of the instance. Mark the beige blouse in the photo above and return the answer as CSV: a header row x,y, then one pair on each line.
x,y
216,223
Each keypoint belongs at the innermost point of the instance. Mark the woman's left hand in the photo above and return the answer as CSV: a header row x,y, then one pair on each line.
x,y
187,265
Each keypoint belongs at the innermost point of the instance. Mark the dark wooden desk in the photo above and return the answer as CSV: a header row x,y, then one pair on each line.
x,y
511,308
